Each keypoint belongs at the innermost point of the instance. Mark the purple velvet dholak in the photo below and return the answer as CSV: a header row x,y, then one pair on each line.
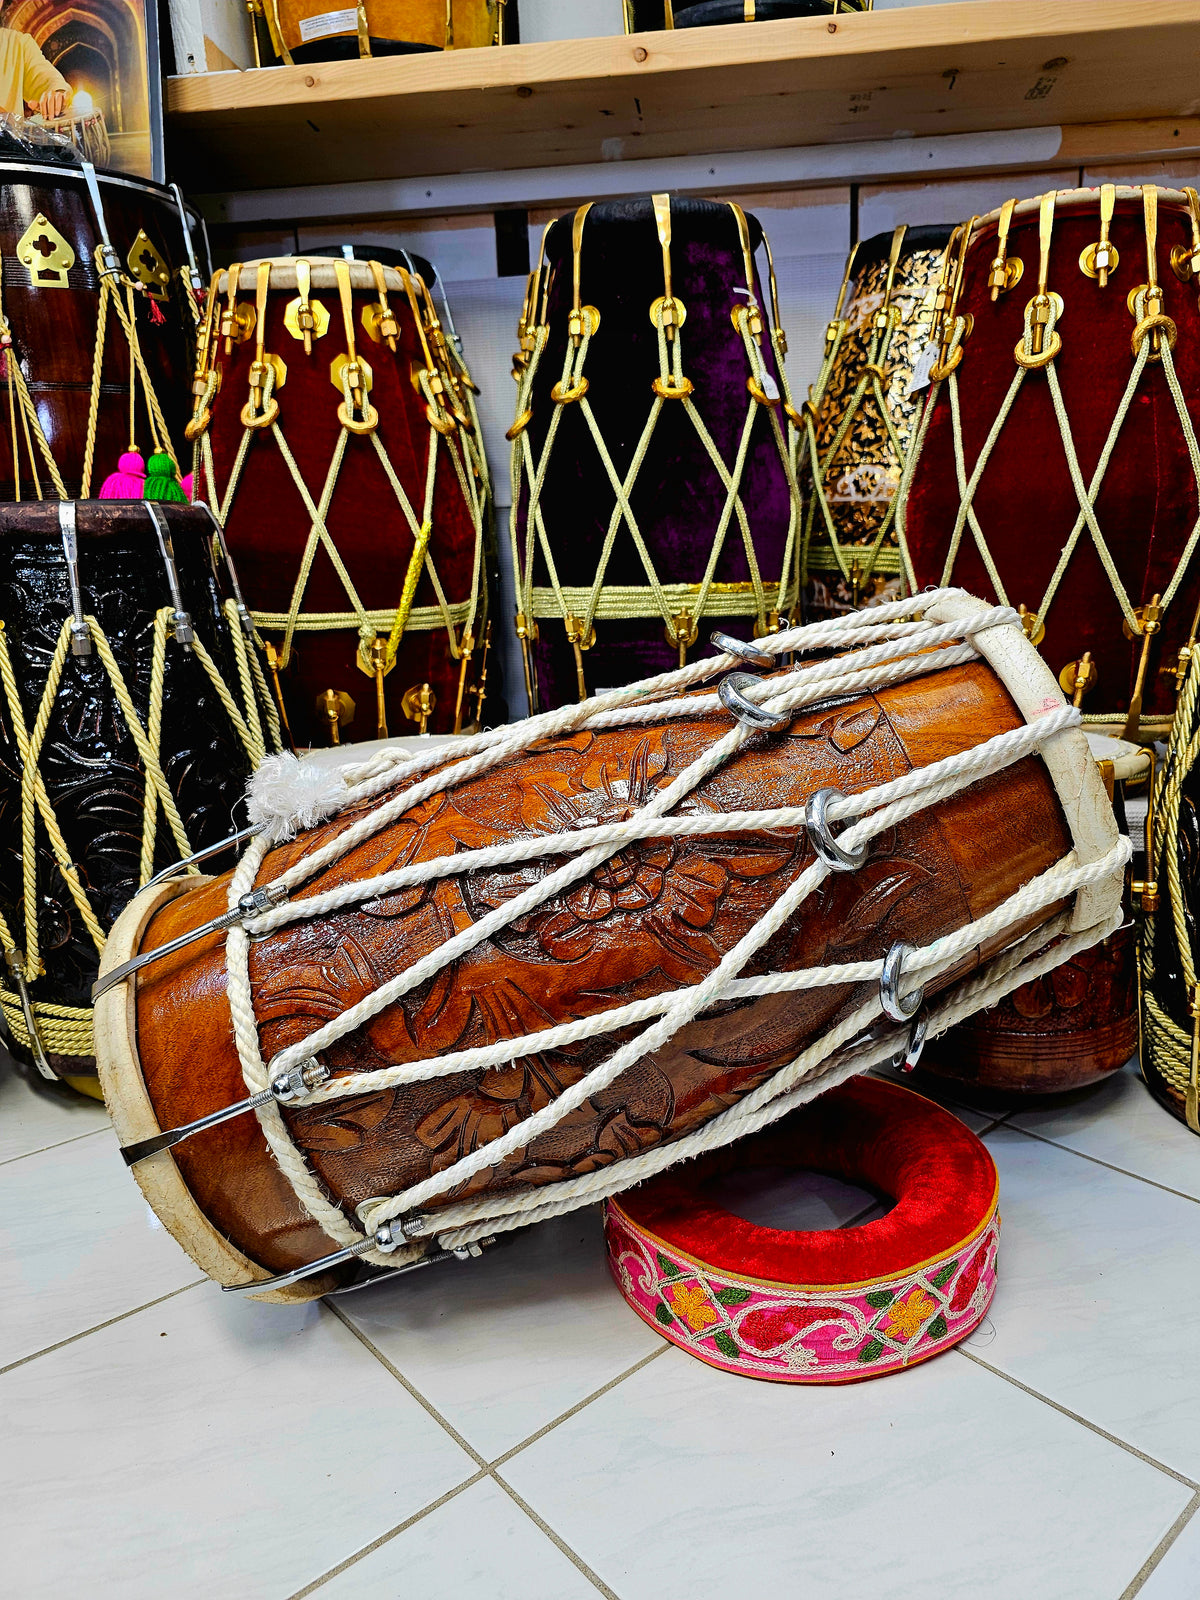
x,y
678,497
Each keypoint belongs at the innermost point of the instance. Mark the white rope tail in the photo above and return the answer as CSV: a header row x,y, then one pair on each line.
x,y
287,795
843,658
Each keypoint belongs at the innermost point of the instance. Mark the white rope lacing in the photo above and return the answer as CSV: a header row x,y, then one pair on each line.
x,y
892,648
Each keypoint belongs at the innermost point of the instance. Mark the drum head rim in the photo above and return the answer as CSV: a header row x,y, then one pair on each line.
x,y
133,1115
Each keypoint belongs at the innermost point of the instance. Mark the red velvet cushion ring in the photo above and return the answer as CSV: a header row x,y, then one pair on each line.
x,y
824,1307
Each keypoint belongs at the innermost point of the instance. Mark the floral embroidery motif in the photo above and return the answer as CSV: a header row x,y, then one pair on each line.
x,y
694,1306
909,1315
797,1336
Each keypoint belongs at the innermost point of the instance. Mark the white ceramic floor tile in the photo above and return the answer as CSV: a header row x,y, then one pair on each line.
x,y
33,1116
1177,1576
942,1481
78,1245
504,1344
209,1446
1099,1282
1121,1122
479,1546
775,1197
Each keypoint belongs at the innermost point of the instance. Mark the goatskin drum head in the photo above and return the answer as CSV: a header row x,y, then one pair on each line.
x,y
833,1306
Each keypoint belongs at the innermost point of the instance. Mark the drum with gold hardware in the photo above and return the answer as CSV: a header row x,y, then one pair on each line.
x,y
1055,466
710,13
861,417
98,309
129,723
314,30
654,497
1170,898
336,438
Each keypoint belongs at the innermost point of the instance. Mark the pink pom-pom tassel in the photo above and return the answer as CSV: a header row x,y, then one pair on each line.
x,y
128,481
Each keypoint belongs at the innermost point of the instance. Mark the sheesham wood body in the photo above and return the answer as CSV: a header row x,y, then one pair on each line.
x,y
655,917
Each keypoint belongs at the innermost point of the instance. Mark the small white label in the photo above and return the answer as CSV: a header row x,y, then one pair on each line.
x,y
922,371
769,387
329,22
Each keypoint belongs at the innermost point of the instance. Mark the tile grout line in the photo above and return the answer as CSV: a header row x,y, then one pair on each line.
x,y
1092,1427
56,1145
426,1405
503,1460
1161,1548
1109,1166
575,1560
84,1333
386,1538
487,1469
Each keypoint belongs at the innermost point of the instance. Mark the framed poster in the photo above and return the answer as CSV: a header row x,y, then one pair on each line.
x,y
88,70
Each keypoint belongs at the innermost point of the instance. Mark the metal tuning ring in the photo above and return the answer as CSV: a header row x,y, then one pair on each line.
x,y
730,693
906,1060
899,1007
745,652
816,821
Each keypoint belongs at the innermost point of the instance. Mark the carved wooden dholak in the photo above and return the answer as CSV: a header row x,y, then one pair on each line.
x,y
652,919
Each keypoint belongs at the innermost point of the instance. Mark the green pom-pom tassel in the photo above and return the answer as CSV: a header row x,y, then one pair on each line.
x,y
161,481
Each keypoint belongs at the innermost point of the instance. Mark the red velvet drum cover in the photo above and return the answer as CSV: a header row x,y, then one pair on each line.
x,y
336,439
1062,414
654,497
830,1306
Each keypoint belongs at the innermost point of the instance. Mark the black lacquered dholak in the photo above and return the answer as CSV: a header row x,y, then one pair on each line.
x,y
1170,936
130,720
98,306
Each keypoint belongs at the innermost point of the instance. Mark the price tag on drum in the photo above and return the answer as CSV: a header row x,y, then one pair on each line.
x,y
922,371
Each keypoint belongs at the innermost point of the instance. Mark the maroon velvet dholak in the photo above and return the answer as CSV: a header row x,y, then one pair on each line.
x,y
865,1132
1026,503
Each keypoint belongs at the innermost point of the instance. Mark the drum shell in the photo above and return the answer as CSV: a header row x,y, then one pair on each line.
x,y
658,916
54,329
94,775
1026,502
1069,1029
421,23
862,479
267,525
678,497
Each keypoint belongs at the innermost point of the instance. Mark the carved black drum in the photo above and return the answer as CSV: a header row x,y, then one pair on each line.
x,y
129,723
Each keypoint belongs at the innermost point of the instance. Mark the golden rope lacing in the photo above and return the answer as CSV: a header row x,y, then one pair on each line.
x,y
445,385
1173,1052
680,606
1152,339
67,1030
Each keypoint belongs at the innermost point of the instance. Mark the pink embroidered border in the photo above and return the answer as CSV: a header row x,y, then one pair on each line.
x,y
803,1335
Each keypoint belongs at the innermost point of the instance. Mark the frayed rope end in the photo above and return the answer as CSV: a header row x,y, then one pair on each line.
x,y
287,795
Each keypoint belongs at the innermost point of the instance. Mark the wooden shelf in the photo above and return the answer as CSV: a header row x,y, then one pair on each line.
x,y
964,67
